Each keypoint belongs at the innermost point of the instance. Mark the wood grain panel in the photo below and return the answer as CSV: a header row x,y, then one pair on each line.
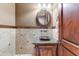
x,y
60,48
45,50
60,22
29,27
71,22
74,49
60,52
66,52
7,26
69,29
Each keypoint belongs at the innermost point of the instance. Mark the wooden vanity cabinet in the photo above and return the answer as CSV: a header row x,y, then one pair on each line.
x,y
45,49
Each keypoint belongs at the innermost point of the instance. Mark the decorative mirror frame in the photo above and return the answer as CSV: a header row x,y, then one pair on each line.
x,y
37,20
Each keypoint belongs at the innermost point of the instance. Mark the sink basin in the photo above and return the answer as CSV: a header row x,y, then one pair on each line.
x,y
44,38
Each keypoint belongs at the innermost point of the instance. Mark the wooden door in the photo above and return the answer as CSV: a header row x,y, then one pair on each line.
x,y
69,29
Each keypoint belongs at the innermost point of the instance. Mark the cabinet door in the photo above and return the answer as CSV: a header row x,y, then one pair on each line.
x,y
45,50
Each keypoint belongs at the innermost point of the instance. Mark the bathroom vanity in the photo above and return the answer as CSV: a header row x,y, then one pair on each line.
x,y
46,49
46,43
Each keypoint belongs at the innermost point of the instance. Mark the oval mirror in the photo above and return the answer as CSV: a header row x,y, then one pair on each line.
x,y
43,18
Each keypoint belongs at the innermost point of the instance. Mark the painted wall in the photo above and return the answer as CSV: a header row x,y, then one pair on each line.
x,y
26,13
7,14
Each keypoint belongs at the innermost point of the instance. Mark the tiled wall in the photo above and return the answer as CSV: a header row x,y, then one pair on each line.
x,y
7,41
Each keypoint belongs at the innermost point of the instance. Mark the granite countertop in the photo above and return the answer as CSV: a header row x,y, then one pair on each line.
x,y
46,43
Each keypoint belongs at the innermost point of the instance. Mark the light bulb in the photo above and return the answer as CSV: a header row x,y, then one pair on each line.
x,y
44,6
39,5
49,6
